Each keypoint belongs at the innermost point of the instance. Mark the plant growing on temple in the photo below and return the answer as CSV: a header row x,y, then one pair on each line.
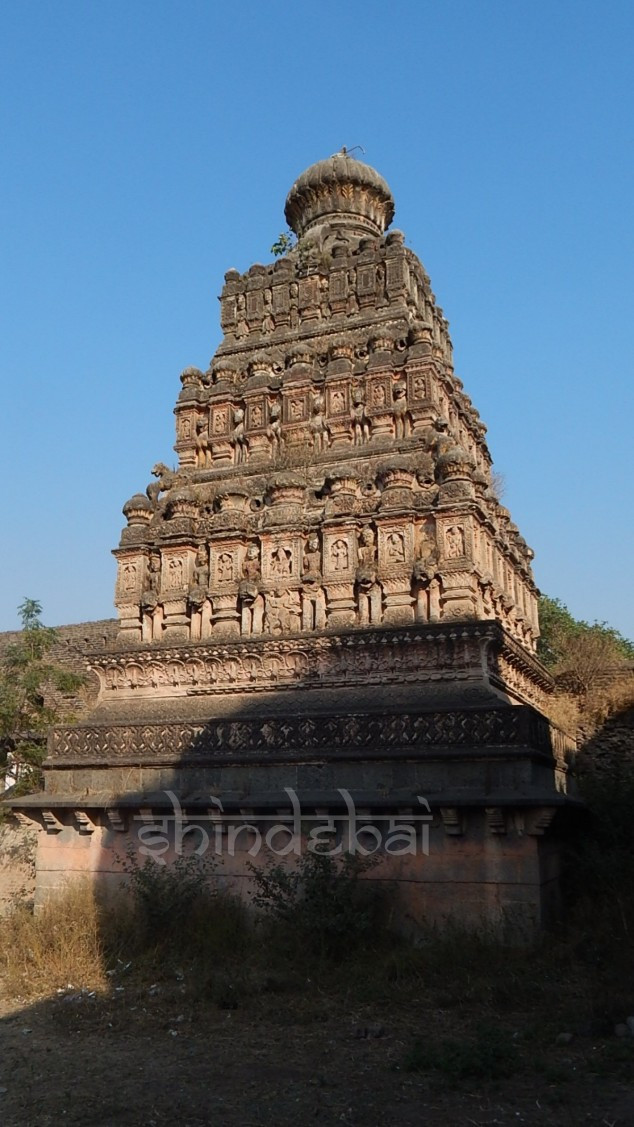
x,y
283,244
33,692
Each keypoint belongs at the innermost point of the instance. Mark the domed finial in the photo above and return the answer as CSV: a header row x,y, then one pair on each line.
x,y
343,192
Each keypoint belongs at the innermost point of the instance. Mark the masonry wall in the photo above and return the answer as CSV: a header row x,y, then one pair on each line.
x,y
474,879
73,642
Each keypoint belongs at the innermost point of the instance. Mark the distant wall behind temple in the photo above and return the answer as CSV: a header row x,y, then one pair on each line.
x,y
73,643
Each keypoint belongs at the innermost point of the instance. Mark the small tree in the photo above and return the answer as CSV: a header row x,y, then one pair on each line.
x,y
283,244
30,686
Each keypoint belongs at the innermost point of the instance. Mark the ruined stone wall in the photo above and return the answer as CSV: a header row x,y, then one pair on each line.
x,y
610,749
74,642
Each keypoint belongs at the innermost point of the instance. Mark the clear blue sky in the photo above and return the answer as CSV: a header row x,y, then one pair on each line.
x,y
147,147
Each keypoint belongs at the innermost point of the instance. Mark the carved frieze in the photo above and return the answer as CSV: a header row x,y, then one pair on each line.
x,y
327,661
181,742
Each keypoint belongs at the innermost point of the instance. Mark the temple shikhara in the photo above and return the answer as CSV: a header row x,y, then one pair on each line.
x,y
325,594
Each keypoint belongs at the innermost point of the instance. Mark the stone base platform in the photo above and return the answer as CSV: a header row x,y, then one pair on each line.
x,y
465,809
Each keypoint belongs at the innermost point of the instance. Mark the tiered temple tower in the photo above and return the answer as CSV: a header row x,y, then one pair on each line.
x,y
332,471
326,592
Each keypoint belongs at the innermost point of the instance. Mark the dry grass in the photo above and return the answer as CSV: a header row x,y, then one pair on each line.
x,y
563,710
61,944
606,701
585,712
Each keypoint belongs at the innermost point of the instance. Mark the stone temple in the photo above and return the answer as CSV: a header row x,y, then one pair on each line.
x,y
325,596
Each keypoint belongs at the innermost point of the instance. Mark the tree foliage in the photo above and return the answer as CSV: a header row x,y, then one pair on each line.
x,y
579,653
283,243
31,685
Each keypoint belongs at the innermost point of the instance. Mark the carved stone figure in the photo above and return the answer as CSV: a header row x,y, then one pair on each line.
x,y
129,577
338,401
251,611
281,561
283,612
311,562
200,605
439,437
367,546
167,479
313,607
154,573
381,295
318,426
369,591
419,387
151,609
251,601
369,598
220,421
402,421
395,548
251,567
454,539
274,429
293,311
175,574
238,437
360,420
242,327
268,322
224,570
340,555
203,451
201,568
425,584
292,611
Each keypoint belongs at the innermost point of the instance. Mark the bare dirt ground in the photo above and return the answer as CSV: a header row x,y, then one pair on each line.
x,y
148,1055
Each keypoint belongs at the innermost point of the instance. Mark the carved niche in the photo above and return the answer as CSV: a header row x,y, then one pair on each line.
x,y
281,559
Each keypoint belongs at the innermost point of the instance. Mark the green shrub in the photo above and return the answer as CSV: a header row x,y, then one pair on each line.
x,y
166,894
321,905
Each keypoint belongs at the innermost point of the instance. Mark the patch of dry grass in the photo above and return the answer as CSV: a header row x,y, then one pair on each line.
x,y
61,944
563,710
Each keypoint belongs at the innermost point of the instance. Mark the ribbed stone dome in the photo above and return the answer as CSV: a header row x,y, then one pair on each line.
x,y
343,192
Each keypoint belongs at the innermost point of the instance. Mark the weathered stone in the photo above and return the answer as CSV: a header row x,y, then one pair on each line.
x,y
325,595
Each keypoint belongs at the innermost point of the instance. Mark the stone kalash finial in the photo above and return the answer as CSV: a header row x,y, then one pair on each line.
x,y
342,192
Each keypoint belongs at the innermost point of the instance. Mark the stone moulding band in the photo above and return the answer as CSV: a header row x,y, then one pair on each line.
x,y
356,658
383,735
